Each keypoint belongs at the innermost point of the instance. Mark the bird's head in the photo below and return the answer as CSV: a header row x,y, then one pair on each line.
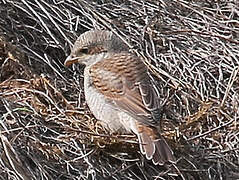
x,y
91,44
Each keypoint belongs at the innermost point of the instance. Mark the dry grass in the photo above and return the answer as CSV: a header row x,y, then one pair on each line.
x,y
47,131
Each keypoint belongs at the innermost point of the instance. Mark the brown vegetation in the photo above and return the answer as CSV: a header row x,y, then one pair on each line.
x,y
47,130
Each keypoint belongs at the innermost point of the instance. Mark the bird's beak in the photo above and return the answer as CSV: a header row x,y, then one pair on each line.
x,y
69,61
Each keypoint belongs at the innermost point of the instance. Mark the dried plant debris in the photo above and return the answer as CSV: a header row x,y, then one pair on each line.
x,y
47,130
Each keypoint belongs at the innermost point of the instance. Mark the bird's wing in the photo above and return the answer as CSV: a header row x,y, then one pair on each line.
x,y
123,79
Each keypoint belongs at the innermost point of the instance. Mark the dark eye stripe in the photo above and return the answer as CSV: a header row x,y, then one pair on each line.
x,y
83,51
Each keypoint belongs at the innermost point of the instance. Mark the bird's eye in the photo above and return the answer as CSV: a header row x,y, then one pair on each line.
x,y
83,51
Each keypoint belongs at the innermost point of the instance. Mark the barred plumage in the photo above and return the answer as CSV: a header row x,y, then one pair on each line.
x,y
119,91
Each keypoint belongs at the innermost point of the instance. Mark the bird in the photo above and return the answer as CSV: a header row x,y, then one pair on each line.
x,y
119,91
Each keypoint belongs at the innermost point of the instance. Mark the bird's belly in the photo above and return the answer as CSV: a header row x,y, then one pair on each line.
x,y
112,118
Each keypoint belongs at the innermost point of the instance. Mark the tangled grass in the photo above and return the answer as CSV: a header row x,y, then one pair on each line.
x,y
47,130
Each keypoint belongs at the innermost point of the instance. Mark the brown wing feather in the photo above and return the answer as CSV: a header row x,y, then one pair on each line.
x,y
123,79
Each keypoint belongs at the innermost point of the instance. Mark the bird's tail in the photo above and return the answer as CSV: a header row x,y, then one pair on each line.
x,y
154,146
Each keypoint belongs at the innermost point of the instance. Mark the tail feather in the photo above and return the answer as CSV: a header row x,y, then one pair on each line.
x,y
163,153
146,148
154,146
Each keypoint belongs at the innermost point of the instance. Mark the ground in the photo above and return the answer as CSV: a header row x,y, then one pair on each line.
x,y
47,130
